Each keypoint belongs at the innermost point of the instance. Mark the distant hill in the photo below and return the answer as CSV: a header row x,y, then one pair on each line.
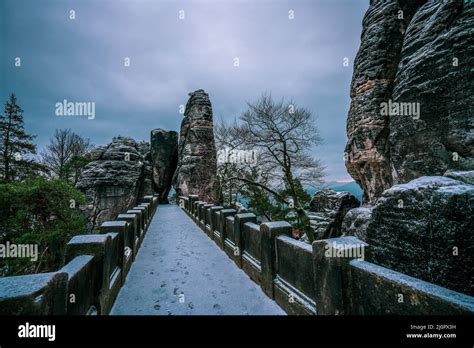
x,y
351,187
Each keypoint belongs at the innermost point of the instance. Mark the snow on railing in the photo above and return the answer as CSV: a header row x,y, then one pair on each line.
x,y
328,277
95,269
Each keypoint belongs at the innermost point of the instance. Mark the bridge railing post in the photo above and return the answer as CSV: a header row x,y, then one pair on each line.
x,y
140,224
200,212
196,211
80,297
153,200
148,214
202,215
240,220
105,284
133,232
143,217
331,273
214,214
183,203
269,232
206,219
192,199
148,199
19,295
222,225
125,248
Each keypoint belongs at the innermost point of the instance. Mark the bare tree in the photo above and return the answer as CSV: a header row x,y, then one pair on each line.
x,y
65,154
283,134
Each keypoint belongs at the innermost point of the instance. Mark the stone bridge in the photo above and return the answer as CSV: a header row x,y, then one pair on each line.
x,y
199,258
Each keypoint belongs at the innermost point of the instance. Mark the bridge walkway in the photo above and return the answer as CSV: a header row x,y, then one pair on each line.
x,y
180,271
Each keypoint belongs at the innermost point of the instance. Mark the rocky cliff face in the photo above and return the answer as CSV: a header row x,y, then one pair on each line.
x,y
113,180
411,94
164,158
197,163
410,122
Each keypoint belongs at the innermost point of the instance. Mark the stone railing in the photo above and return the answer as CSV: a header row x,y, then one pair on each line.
x,y
95,269
328,277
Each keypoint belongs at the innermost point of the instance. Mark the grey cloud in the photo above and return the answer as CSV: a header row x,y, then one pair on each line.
x,y
82,60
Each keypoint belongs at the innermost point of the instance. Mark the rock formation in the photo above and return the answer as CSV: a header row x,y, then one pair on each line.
x,y
425,228
113,180
356,221
327,210
147,186
164,158
197,163
409,123
465,176
420,53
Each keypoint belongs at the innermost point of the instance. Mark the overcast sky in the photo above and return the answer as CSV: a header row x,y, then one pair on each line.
x,y
82,60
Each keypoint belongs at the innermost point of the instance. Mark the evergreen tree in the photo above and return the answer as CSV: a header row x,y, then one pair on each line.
x,y
15,144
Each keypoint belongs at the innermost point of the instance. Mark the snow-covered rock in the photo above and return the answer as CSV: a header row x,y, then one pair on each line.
x,y
425,228
356,221
327,210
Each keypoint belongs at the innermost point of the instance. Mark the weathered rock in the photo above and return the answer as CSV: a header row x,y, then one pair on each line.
x,y
113,181
439,33
355,222
425,229
327,210
464,176
164,158
375,68
197,162
96,152
147,186
407,55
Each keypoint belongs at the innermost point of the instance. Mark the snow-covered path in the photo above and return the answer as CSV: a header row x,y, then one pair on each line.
x,y
179,270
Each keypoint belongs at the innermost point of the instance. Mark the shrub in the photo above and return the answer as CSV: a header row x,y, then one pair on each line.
x,y
43,212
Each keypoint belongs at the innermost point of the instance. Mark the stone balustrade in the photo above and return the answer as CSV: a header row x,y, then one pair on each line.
x,y
328,277
96,267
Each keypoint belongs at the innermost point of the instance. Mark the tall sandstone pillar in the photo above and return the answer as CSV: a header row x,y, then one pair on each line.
x,y
416,56
375,67
164,157
419,55
197,160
